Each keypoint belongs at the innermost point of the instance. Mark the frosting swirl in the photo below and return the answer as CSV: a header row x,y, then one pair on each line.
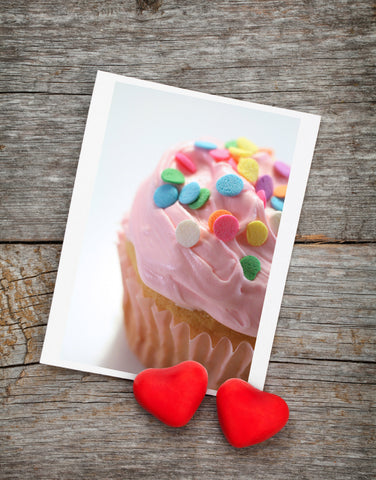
x,y
209,275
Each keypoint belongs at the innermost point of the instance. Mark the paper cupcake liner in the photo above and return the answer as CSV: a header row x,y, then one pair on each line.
x,y
157,342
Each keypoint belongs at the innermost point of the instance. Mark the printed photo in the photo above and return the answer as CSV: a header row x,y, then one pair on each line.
x,y
180,232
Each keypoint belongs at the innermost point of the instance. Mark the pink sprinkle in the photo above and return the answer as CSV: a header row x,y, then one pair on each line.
x,y
282,168
234,165
226,227
185,162
220,154
262,196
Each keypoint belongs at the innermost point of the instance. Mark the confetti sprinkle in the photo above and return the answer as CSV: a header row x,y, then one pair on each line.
x,y
185,162
231,143
236,153
276,203
213,217
220,154
226,227
257,233
205,145
280,191
282,169
189,193
246,144
165,195
249,168
230,185
187,233
171,175
202,199
274,219
261,195
251,266
265,183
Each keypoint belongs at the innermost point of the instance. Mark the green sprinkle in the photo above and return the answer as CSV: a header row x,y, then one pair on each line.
x,y
171,175
231,143
251,266
203,197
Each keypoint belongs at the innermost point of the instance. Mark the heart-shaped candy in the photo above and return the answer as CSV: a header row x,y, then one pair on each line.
x,y
247,415
172,394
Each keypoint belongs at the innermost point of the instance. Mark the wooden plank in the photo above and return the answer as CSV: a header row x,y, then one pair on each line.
x,y
41,143
71,424
314,51
319,59
328,309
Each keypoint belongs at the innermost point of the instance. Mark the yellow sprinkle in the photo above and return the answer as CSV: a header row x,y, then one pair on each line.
x,y
247,145
248,167
257,233
236,153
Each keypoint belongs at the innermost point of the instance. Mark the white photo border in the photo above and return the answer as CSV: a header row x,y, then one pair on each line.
x,y
80,204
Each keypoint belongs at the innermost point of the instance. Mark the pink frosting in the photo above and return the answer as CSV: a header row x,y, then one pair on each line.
x,y
209,275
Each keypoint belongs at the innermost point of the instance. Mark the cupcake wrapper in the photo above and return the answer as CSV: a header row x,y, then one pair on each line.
x,y
157,342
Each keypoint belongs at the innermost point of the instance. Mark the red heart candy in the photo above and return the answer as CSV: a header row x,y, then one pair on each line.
x,y
172,394
247,415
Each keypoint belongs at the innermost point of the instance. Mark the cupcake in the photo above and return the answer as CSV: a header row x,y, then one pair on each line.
x,y
195,252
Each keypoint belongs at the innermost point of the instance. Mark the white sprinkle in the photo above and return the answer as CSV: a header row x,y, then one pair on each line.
x,y
187,233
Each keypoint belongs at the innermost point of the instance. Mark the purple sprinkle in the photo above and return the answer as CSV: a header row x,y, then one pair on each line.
x,y
282,168
265,183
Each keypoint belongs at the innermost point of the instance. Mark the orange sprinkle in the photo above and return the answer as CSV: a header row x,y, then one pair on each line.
x,y
213,217
280,191
269,151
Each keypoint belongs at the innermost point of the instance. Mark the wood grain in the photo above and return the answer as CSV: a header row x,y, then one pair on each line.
x,y
327,313
316,58
313,56
323,364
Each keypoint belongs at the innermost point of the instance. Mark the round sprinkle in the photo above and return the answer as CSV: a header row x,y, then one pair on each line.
x,y
187,233
229,185
257,233
183,161
261,195
246,144
276,203
205,145
226,227
280,191
171,175
213,217
202,199
265,183
274,219
220,154
231,143
189,193
251,266
236,153
282,169
165,195
248,167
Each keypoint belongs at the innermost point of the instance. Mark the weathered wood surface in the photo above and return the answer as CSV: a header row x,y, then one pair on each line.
x,y
323,363
328,308
312,56
309,56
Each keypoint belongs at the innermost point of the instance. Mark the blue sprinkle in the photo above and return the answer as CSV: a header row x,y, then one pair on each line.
x,y
165,195
229,185
277,203
189,193
205,145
